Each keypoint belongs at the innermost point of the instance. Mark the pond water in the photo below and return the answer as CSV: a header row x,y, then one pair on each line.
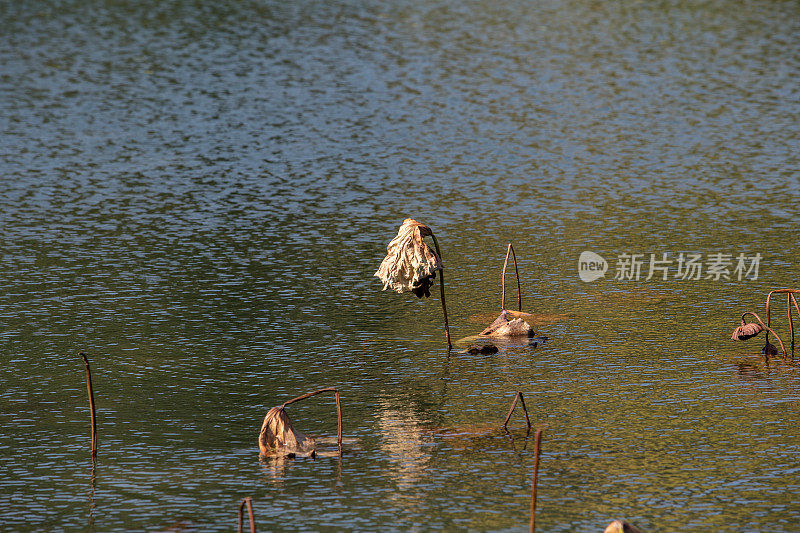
x,y
197,195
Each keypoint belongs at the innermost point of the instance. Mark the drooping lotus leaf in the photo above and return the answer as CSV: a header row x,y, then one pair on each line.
x,y
746,331
503,327
278,437
410,264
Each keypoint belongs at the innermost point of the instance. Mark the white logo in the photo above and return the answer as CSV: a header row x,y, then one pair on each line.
x,y
591,266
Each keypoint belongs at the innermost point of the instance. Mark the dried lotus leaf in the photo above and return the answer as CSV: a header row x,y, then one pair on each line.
x,y
746,331
503,327
410,263
278,437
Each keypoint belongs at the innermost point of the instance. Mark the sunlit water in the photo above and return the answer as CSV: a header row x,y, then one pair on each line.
x,y
197,194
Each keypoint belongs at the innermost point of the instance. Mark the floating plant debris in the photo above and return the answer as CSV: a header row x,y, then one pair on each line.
x,y
534,319
503,327
501,342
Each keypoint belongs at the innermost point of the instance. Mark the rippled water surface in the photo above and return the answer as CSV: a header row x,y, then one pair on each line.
x,y
197,195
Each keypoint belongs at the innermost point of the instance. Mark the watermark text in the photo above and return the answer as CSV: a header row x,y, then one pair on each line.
x,y
683,266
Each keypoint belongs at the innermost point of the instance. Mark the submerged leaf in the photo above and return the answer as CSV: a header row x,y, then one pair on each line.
x,y
746,331
410,263
278,437
485,349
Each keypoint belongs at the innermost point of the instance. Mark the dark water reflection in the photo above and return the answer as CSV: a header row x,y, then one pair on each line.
x,y
198,194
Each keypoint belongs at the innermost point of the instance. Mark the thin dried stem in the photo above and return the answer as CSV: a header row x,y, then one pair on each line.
x,y
441,283
538,452
769,296
519,397
516,269
338,409
794,301
789,314
91,403
339,423
249,501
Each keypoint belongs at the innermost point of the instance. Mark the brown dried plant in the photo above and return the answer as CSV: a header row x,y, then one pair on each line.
x,y
278,437
749,330
411,264
507,325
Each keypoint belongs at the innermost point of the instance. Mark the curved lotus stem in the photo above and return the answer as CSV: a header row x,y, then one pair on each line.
x,y
779,291
519,290
789,314
441,283
788,292
249,502
791,292
794,300
791,325
770,330
519,397
338,409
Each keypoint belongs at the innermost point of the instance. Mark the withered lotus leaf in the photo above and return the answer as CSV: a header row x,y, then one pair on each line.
x,y
746,331
278,437
503,327
621,526
410,263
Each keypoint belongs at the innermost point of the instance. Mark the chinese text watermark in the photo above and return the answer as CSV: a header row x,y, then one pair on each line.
x,y
685,266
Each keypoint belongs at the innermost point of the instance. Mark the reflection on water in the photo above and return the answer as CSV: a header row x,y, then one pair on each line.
x,y
275,467
182,526
749,372
92,503
405,443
